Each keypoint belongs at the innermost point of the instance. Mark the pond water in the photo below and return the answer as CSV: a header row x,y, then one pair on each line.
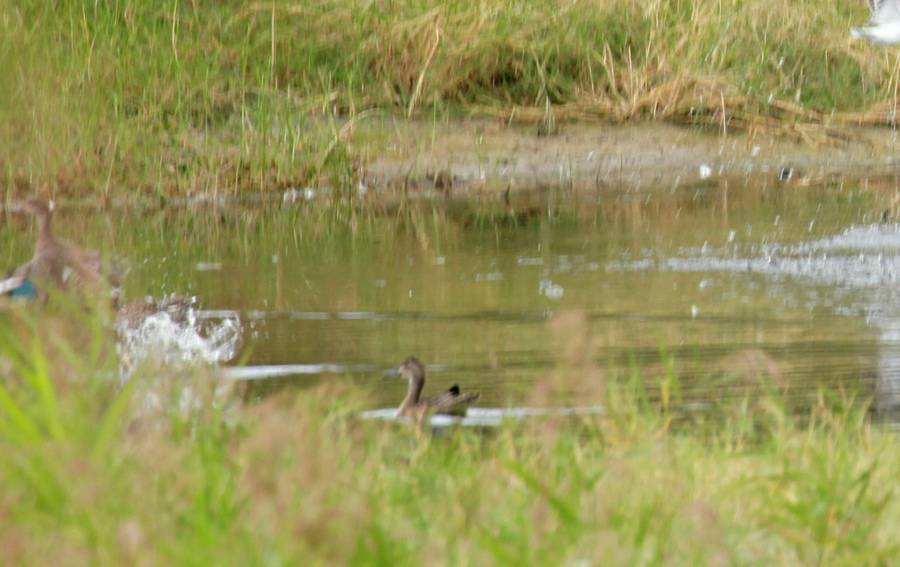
x,y
538,301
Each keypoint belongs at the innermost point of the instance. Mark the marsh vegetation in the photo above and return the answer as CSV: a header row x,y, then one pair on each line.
x,y
91,477
147,113
762,447
142,98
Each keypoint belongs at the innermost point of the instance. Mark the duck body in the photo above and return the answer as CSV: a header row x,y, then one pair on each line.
x,y
25,290
132,315
60,264
452,402
884,26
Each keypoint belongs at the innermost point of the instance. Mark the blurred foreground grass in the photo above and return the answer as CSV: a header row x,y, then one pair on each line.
x,y
91,474
117,98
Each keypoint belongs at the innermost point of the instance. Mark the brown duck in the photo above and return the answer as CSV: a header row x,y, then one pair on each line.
x,y
61,264
132,315
451,402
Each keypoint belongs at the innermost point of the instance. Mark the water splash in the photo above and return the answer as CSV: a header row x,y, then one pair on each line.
x,y
177,342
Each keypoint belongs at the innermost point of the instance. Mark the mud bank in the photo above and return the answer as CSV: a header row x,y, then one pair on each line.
x,y
474,155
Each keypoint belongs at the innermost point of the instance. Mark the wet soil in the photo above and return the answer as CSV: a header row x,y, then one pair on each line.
x,y
482,154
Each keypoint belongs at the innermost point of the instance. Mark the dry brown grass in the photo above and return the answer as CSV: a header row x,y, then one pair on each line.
x,y
137,98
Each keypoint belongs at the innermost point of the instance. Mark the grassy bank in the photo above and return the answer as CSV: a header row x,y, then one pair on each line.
x,y
176,97
90,476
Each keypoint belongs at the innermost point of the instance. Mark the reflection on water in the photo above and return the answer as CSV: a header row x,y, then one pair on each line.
x,y
487,417
543,301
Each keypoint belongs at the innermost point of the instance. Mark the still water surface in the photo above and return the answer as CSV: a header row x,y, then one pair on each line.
x,y
723,285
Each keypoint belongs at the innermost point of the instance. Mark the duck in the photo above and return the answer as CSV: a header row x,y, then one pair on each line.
x,y
18,285
132,315
58,263
452,402
883,28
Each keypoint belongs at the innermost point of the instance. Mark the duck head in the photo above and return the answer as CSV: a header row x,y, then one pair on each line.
x,y
411,369
37,206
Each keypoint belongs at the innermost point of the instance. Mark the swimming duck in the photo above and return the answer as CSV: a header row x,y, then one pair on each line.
x,y
884,26
57,261
451,402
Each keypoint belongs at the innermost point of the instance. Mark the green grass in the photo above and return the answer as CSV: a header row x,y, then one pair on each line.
x,y
92,475
183,97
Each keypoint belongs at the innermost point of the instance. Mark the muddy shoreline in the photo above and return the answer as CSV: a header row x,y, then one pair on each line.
x,y
484,155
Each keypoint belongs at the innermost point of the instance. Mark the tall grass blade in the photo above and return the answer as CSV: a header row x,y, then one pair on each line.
x,y
565,511
40,381
112,421
15,424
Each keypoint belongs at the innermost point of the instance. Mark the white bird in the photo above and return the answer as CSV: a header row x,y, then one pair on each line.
x,y
883,28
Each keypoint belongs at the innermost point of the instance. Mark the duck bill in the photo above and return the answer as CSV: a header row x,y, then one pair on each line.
x,y
391,372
